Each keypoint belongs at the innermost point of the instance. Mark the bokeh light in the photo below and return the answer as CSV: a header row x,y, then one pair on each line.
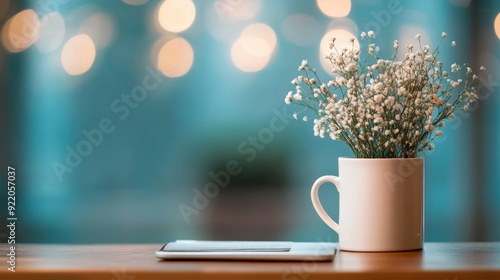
x,y
346,24
497,25
100,27
263,31
223,30
51,33
249,59
334,8
135,2
301,29
227,18
21,31
78,54
342,40
175,57
237,10
253,50
176,15
406,36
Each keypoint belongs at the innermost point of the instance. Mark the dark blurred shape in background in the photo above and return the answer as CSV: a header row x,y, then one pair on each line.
x,y
145,121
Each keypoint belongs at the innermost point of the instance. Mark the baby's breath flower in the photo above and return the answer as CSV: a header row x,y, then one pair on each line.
x,y
482,68
385,108
288,98
322,87
303,65
332,43
443,34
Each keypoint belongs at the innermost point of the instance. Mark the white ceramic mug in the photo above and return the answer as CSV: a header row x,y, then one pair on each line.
x,y
380,204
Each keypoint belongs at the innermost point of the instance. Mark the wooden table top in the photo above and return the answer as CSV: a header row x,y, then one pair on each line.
x,y
452,261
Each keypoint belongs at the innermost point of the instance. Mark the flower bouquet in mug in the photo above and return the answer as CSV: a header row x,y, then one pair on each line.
x,y
386,111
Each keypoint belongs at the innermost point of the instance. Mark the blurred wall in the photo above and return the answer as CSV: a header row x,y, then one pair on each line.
x,y
117,114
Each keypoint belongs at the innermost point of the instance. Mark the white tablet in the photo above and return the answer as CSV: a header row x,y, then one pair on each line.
x,y
247,250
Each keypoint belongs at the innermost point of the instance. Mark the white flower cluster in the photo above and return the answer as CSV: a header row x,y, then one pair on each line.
x,y
384,108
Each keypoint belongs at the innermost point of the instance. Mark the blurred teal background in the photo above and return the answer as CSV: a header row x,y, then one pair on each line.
x,y
174,93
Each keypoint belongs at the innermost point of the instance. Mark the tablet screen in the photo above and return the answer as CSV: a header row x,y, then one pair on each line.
x,y
227,246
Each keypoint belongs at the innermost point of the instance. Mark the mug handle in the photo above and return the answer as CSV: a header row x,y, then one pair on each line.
x,y
317,204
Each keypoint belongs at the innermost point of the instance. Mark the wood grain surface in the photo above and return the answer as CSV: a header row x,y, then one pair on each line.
x,y
452,261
